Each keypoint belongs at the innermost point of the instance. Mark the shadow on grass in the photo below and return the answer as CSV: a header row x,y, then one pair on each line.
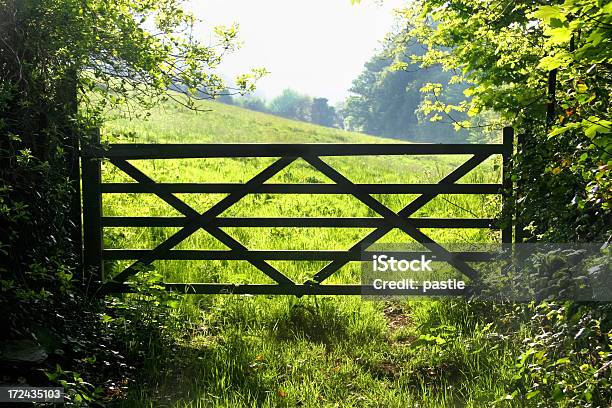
x,y
319,324
202,374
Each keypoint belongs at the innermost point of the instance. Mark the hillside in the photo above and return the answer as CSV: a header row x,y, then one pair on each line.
x,y
220,123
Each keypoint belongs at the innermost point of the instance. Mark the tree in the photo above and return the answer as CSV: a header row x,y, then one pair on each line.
x,y
292,105
97,55
321,113
253,103
387,101
545,69
225,97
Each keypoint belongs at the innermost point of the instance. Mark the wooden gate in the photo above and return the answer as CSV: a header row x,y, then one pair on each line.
x,y
94,222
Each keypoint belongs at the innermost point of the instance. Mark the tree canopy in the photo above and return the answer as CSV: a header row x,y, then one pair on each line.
x,y
120,52
291,104
545,69
387,100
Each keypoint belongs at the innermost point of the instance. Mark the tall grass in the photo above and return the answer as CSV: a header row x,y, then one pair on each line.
x,y
312,351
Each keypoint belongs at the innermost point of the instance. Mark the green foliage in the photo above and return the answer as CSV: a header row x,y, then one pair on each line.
x,y
321,113
55,57
568,358
545,69
251,102
34,199
505,51
292,105
150,312
387,99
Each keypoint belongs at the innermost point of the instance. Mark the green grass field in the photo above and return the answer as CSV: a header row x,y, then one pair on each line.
x,y
313,351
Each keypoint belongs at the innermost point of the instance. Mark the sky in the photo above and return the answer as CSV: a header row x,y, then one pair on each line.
x,y
316,47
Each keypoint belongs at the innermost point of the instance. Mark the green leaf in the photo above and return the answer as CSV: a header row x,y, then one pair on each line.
x,y
106,318
561,35
595,126
532,394
596,37
552,62
557,393
562,129
592,131
547,13
563,360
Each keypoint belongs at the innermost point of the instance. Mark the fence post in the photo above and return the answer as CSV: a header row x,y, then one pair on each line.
x,y
519,228
508,141
67,94
92,212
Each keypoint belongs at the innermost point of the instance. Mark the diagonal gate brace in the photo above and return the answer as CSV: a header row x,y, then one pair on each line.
x,y
204,219
396,220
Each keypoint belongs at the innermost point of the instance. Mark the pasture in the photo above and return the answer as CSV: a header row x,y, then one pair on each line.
x,y
331,351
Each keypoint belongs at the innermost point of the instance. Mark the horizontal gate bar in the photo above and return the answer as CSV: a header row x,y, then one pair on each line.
x,y
189,151
323,222
281,255
298,290
480,188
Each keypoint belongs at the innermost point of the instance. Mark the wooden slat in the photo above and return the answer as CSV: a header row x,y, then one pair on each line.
x,y
300,290
323,222
293,290
508,139
394,220
188,151
282,255
189,212
302,188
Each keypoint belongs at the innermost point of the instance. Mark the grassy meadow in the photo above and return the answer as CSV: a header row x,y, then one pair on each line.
x,y
322,351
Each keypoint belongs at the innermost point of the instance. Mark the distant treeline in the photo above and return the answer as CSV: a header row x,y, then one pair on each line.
x,y
290,104
387,99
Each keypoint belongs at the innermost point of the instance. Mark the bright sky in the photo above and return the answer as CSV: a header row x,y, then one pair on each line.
x,y
316,47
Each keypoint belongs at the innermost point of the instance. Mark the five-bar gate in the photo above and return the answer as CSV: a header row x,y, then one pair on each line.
x,y
211,222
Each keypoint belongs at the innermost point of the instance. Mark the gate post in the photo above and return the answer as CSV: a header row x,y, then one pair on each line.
x,y
67,94
92,211
519,229
508,141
